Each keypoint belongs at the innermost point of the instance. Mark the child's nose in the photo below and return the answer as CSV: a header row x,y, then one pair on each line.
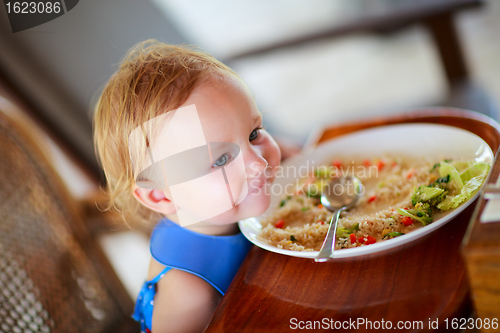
x,y
256,166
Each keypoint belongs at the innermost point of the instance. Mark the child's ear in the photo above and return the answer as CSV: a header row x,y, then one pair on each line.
x,y
154,200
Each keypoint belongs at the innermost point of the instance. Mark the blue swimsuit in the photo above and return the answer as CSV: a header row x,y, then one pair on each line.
x,y
215,259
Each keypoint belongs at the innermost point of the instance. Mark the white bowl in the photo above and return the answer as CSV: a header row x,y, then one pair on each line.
x,y
437,142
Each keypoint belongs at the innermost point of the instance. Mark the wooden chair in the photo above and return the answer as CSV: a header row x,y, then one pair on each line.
x,y
53,276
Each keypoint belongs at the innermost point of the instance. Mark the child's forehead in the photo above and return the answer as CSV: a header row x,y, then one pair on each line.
x,y
224,106
215,123
195,125
218,90
217,111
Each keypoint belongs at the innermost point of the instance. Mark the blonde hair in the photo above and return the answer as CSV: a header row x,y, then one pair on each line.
x,y
153,78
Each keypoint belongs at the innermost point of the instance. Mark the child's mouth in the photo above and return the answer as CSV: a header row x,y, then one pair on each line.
x,y
257,185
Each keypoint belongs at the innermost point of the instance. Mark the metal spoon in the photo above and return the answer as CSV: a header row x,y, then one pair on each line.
x,y
338,195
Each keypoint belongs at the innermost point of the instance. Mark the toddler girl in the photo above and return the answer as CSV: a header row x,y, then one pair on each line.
x,y
181,143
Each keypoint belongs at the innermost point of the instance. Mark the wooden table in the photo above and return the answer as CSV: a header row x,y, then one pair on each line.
x,y
419,282
481,251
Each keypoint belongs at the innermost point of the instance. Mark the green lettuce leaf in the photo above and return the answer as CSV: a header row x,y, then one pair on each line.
x,y
343,232
448,169
467,191
460,166
474,170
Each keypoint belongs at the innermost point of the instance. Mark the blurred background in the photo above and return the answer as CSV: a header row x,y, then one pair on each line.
x,y
308,63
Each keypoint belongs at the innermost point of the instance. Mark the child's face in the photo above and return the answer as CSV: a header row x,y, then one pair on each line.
x,y
228,114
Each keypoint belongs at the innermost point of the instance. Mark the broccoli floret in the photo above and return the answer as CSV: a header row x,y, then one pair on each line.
x,y
423,213
438,199
426,194
441,182
433,194
423,207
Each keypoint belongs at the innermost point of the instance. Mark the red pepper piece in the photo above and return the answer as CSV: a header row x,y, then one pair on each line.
x,y
367,163
361,239
337,164
280,224
380,165
370,240
372,198
407,220
353,238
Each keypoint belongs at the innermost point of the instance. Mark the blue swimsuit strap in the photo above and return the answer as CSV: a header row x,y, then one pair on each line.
x,y
159,276
215,259
143,310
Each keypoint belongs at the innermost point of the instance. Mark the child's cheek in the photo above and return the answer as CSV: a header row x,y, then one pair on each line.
x,y
236,179
218,189
201,198
272,155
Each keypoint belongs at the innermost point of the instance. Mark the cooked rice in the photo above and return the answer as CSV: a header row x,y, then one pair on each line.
x,y
306,221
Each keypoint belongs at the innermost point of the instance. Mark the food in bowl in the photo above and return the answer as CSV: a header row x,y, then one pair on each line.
x,y
401,195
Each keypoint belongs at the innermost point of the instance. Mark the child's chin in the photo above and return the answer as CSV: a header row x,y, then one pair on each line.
x,y
249,207
254,205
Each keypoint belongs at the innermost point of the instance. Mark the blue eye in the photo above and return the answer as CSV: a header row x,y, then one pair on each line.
x,y
254,135
221,161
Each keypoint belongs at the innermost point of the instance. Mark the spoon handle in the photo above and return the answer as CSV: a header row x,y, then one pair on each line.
x,y
329,243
